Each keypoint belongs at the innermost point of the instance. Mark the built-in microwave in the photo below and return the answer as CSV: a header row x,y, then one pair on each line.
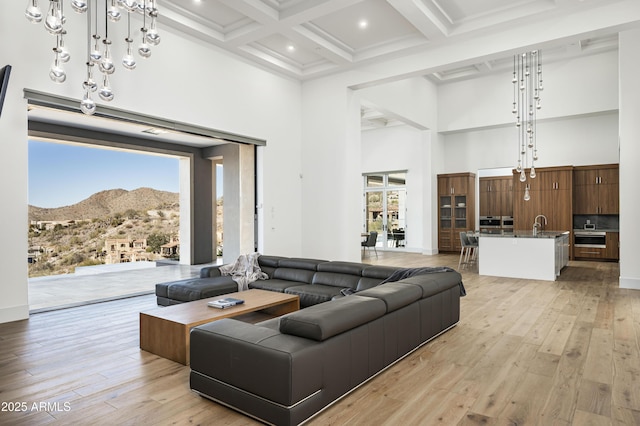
x,y
490,222
593,239
507,222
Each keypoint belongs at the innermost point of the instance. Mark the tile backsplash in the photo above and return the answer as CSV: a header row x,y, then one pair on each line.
x,y
602,221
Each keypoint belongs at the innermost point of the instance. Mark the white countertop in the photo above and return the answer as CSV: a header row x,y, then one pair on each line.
x,y
526,234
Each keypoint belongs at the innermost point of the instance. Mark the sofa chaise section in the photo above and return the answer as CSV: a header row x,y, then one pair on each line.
x,y
210,283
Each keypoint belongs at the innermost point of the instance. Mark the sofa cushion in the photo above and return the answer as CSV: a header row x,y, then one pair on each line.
x,y
394,295
273,284
350,268
312,294
320,322
271,261
365,283
431,284
304,276
200,288
296,263
335,279
381,272
210,271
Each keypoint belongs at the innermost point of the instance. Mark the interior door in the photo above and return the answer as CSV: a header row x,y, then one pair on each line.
x,y
375,219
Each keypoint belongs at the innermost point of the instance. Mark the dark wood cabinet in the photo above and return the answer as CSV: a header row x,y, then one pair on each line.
x,y
496,196
550,195
612,252
456,209
596,189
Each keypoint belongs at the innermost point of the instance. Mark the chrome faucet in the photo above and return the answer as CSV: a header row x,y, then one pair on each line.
x,y
537,225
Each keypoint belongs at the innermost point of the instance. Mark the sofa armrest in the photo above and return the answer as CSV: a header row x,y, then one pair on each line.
x,y
210,271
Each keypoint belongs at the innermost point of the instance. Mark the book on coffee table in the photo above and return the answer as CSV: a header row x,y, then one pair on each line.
x,y
225,303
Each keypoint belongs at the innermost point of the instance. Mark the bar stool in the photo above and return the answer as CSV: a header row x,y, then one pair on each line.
x,y
469,251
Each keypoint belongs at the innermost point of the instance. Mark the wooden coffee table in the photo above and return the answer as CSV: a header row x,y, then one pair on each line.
x,y
165,331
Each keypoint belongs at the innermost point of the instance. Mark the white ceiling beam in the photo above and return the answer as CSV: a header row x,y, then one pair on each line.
x,y
319,44
429,22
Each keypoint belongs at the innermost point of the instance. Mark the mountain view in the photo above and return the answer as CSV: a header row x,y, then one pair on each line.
x,y
108,203
135,223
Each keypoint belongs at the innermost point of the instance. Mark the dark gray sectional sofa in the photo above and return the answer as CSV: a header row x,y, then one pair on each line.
x,y
285,370
315,281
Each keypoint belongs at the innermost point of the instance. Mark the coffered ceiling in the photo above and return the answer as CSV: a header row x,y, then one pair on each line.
x,y
306,39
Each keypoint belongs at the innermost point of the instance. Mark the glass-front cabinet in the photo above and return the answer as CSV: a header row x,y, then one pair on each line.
x,y
456,200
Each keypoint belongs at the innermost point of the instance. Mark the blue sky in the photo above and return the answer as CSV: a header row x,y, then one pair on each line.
x,y
61,175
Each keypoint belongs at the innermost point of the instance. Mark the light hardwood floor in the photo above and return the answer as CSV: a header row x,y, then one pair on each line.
x,y
524,352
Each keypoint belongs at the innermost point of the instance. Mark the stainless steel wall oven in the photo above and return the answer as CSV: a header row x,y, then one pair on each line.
x,y
593,239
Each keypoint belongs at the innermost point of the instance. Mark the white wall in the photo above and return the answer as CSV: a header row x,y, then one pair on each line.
x,y
331,183
183,80
576,141
629,159
579,86
413,101
400,148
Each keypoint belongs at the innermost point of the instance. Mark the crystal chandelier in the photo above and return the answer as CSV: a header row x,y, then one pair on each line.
x,y
97,55
527,85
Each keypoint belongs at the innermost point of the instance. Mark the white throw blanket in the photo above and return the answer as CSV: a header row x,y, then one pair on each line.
x,y
244,270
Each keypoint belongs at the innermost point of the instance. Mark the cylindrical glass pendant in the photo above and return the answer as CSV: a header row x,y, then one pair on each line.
x,y
95,56
79,6
87,105
57,73
64,53
106,94
106,65
89,84
153,37
527,196
53,21
114,13
33,12
128,61
144,50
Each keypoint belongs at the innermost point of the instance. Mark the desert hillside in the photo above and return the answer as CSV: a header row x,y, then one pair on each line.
x,y
141,214
109,203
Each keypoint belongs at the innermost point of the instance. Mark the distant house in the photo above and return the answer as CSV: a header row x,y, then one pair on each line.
x,y
171,249
121,250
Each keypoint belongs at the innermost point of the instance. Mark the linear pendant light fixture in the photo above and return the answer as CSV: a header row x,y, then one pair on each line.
x,y
527,85
96,55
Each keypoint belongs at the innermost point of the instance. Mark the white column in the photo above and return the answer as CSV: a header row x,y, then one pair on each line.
x,y
629,57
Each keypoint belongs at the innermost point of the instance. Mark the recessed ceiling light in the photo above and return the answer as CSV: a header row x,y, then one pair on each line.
x,y
363,24
291,47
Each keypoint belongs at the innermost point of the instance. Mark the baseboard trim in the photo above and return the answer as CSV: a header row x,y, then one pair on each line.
x,y
630,283
14,313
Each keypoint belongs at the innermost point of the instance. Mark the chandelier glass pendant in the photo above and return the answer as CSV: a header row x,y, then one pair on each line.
x,y
98,52
527,85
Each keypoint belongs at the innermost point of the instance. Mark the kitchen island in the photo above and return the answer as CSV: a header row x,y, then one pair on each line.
x,y
523,254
